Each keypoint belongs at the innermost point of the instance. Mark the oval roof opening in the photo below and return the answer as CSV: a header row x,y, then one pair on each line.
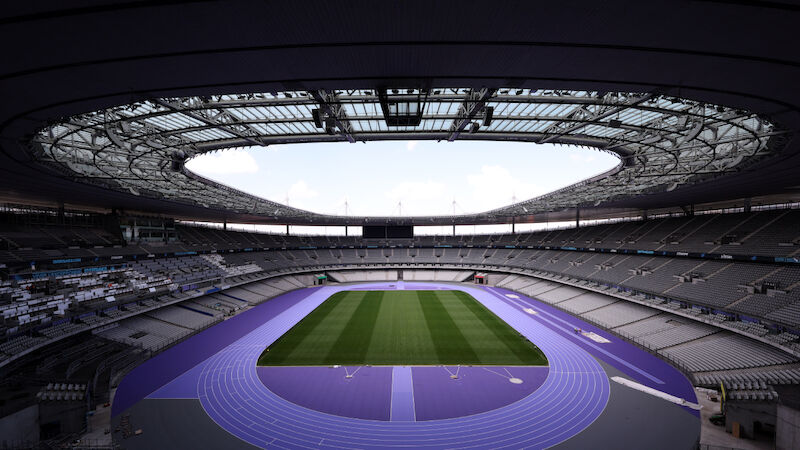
x,y
402,177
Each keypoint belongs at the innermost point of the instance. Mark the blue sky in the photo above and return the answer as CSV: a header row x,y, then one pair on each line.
x,y
423,177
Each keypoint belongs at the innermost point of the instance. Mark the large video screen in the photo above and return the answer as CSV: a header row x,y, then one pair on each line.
x,y
388,232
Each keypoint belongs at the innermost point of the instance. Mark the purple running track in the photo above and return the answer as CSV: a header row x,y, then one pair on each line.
x,y
402,408
638,364
572,395
159,370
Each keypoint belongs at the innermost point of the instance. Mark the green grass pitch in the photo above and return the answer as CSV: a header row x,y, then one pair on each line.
x,y
401,328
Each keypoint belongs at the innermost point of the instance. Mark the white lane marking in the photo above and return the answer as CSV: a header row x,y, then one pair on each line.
x,y
656,393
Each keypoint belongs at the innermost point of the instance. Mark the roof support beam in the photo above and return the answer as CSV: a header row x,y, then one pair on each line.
x,y
211,122
473,105
600,115
235,120
663,141
329,105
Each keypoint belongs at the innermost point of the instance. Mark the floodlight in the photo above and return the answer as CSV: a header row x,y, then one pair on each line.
x,y
316,114
487,119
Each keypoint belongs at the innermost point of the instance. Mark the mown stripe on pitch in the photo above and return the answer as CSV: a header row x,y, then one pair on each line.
x,y
353,342
450,344
289,341
520,347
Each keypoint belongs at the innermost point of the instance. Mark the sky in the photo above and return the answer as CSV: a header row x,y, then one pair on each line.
x,y
401,177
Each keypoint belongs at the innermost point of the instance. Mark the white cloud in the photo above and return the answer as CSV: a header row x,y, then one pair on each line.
x,y
223,163
300,190
419,197
582,158
299,195
494,186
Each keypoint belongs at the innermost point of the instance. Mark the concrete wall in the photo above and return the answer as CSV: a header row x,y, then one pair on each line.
x,y
307,280
747,414
20,427
787,433
494,278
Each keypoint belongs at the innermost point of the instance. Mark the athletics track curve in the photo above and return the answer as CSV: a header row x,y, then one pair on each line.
x,y
571,398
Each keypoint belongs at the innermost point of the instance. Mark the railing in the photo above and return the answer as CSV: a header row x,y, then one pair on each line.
x,y
717,447
75,442
72,442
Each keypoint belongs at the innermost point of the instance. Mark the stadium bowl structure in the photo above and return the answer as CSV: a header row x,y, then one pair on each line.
x,y
104,101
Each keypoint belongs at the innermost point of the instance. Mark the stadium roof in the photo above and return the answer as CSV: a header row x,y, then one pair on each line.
x,y
65,60
662,142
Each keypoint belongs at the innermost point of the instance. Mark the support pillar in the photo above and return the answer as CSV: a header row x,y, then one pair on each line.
x,y
577,217
287,229
513,225
454,229
225,224
747,205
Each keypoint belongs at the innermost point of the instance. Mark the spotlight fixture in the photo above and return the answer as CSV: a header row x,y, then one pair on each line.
x,y
487,118
316,114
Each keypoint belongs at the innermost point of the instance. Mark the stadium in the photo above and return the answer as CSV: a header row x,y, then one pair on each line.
x,y
653,303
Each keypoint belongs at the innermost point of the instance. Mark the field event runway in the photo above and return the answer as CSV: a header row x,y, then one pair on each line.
x,y
218,368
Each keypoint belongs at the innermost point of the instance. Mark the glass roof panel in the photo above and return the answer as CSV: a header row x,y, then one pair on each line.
x,y
151,129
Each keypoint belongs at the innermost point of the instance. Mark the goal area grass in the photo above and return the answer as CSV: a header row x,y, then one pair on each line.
x,y
401,328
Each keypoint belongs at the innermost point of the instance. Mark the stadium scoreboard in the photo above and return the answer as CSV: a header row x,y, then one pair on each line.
x,y
388,232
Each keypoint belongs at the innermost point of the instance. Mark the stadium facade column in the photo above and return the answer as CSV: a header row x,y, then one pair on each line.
x,y
225,224
747,205
577,217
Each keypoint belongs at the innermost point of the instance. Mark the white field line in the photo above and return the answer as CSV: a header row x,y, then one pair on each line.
x,y
648,390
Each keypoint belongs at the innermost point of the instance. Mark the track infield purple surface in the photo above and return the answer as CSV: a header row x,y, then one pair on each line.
x,y
476,390
367,395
